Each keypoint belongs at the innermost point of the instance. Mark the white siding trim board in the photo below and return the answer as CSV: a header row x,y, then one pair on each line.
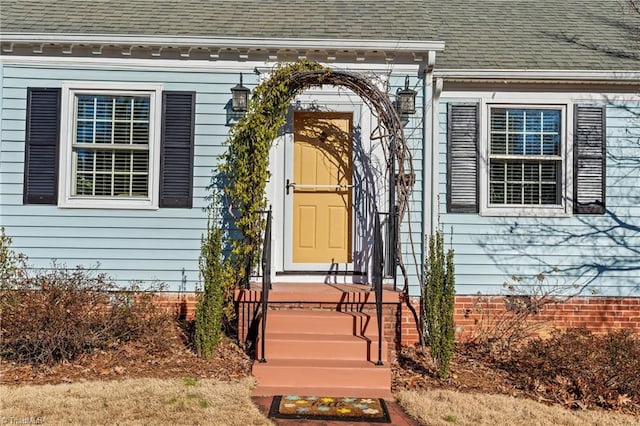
x,y
197,66
261,43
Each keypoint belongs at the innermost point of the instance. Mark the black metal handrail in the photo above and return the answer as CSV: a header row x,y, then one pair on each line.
x,y
377,271
266,281
390,245
392,249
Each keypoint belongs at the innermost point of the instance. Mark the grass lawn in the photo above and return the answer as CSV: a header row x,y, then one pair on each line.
x,y
448,407
134,402
191,401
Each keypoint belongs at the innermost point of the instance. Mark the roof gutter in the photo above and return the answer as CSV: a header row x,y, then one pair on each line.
x,y
538,75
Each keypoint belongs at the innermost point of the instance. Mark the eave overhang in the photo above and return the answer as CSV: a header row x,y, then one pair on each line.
x,y
215,48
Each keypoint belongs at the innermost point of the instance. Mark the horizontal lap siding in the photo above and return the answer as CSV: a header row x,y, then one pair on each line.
x,y
411,231
160,245
601,252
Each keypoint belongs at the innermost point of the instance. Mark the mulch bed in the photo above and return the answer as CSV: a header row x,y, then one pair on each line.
x,y
472,370
477,369
175,359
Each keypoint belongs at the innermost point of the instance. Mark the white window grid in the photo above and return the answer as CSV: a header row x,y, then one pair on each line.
x,y
113,147
522,159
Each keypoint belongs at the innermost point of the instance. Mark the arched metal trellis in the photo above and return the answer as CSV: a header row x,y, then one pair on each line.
x,y
246,162
389,131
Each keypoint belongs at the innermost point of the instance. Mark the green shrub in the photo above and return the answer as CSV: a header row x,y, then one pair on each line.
x,y
215,302
439,302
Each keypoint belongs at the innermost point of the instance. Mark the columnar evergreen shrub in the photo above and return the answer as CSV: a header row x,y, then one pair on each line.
x,y
439,300
215,302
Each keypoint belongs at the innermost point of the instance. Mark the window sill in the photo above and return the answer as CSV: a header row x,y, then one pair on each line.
x,y
524,211
108,203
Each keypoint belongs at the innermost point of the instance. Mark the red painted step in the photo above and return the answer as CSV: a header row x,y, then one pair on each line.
x,y
321,321
323,346
322,377
322,352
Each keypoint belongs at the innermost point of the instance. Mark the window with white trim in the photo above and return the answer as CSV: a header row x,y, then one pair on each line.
x,y
102,145
110,147
525,156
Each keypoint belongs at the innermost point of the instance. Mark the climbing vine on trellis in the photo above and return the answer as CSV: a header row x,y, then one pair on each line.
x,y
245,164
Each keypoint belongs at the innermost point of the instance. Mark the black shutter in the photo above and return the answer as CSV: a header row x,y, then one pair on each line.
x,y
589,159
42,134
462,158
176,155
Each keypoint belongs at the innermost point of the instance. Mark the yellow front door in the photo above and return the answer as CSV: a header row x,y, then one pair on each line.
x,y
322,170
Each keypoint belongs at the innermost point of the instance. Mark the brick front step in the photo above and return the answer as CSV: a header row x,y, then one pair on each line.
x,y
327,377
344,295
323,352
323,346
323,391
306,321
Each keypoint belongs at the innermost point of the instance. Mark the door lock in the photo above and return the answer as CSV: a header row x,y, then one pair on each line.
x,y
290,185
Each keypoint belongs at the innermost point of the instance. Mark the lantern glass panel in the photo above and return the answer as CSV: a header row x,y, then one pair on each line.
x,y
406,102
239,98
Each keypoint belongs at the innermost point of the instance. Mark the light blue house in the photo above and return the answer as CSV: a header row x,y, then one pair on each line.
x,y
524,140
523,146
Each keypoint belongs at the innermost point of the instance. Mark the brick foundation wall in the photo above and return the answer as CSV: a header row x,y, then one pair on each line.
x,y
182,305
408,316
473,315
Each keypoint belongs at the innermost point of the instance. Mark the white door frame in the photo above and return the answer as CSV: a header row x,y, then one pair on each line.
x,y
326,99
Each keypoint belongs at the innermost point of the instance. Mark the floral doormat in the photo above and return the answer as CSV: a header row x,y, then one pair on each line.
x,y
329,408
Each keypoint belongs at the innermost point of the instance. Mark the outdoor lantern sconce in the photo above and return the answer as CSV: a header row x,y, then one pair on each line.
x,y
406,99
239,97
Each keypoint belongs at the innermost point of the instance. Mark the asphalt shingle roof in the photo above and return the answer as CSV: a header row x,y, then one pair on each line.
x,y
537,34
357,19
479,34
